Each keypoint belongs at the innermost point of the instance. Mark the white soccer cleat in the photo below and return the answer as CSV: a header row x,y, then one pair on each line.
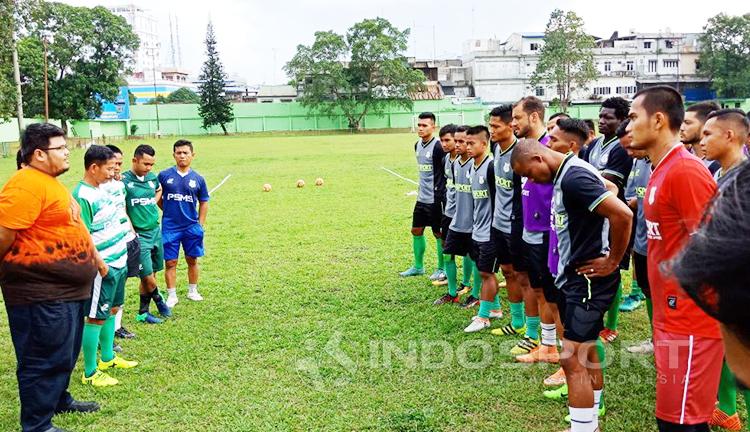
x,y
645,347
477,324
172,300
194,296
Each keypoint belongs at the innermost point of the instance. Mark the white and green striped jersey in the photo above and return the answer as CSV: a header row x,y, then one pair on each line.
x,y
102,218
116,190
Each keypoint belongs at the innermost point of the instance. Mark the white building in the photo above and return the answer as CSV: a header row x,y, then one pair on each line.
x,y
147,59
501,71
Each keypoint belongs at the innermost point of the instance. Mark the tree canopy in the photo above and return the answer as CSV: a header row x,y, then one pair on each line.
x,y
725,54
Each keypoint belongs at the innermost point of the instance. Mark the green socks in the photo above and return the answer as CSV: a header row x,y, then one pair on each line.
x,y
532,327
468,270
516,315
613,315
496,303
107,339
440,260
635,290
476,288
450,272
650,310
90,345
484,308
727,391
419,244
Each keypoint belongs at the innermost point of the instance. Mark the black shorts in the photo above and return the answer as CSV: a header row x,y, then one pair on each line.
x,y
445,224
509,248
427,215
586,301
457,243
134,258
640,262
485,256
539,274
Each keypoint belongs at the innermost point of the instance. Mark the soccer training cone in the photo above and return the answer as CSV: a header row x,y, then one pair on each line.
x,y
266,187
300,183
318,181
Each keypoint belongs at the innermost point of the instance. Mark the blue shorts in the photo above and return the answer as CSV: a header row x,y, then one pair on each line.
x,y
191,239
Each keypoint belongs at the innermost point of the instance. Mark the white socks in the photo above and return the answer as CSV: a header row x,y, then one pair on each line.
x,y
192,287
582,419
172,292
118,319
597,401
549,335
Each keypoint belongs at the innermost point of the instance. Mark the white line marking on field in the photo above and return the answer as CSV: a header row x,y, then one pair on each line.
x,y
399,176
219,185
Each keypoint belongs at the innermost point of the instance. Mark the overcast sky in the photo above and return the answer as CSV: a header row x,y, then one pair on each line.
x,y
256,38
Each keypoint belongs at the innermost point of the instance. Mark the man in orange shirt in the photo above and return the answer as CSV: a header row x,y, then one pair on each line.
x,y
47,265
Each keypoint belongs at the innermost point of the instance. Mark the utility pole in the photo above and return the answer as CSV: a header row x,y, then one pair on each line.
x,y
46,83
19,95
156,100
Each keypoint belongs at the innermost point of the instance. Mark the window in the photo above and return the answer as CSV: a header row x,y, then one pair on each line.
x,y
672,64
600,91
697,65
539,91
626,90
618,90
629,66
607,66
631,90
669,44
647,45
534,46
478,43
652,65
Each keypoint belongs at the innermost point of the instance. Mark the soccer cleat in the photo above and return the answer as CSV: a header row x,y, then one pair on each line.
x,y
82,407
494,314
645,347
558,393
412,271
608,336
163,309
440,282
194,295
721,419
470,302
509,330
99,379
124,333
116,348
172,300
117,363
602,411
446,298
630,303
544,354
477,324
556,379
147,318
463,290
438,274
525,346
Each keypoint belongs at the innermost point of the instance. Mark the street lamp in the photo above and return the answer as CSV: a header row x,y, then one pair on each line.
x,y
156,100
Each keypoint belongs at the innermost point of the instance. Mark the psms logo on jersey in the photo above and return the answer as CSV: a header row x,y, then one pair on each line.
x,y
192,184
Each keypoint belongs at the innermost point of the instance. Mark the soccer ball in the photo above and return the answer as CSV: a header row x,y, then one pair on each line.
x,y
300,183
318,181
266,187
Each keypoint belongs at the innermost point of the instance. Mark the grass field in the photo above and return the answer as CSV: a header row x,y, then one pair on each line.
x,y
306,324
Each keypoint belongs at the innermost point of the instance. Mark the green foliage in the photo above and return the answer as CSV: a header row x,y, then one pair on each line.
x,y
183,96
362,72
89,50
131,97
214,107
7,82
725,54
133,129
567,58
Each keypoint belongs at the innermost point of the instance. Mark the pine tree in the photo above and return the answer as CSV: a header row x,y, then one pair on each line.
x,y
214,108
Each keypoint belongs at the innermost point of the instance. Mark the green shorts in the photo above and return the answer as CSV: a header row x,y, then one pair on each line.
x,y
152,251
107,292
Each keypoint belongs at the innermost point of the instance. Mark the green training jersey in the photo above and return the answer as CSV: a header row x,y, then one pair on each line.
x,y
100,214
140,200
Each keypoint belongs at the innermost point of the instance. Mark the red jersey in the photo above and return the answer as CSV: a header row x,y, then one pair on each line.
x,y
676,197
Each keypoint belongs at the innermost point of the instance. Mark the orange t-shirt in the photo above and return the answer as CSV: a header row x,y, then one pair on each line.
x,y
52,257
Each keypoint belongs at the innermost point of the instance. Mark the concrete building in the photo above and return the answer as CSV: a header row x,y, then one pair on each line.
x,y
276,93
501,71
145,25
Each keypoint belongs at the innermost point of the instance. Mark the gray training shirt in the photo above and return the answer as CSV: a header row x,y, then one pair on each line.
x,y
483,191
507,191
430,167
637,183
450,189
463,219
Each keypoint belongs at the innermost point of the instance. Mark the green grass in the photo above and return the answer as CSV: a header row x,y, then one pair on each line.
x,y
293,274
